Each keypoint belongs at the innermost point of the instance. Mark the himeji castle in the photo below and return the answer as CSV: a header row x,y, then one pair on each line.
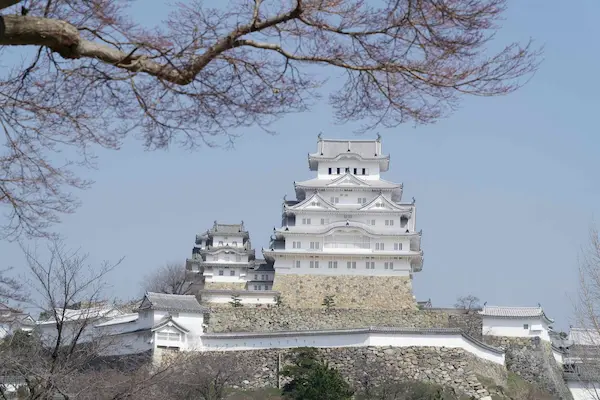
x,y
348,234
223,260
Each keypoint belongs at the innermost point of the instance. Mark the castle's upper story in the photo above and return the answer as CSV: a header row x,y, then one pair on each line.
x,y
361,157
349,166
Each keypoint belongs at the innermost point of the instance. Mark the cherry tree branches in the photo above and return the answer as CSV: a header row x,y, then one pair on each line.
x,y
93,75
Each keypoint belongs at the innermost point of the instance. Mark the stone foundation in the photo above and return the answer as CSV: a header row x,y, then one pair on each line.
x,y
532,360
224,286
252,319
376,366
357,292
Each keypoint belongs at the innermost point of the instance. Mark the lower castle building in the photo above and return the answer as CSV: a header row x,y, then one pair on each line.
x,y
223,260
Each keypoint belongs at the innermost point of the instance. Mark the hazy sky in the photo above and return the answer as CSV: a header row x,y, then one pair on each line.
x,y
506,188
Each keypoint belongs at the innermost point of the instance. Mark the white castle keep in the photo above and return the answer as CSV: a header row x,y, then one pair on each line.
x,y
347,220
347,226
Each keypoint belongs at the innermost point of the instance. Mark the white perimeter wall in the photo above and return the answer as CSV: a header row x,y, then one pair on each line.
x,y
350,339
584,390
514,327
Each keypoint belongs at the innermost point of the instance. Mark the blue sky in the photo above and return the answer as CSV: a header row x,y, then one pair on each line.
x,y
506,187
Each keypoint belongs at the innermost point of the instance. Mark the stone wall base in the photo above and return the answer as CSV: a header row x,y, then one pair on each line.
x,y
367,366
358,292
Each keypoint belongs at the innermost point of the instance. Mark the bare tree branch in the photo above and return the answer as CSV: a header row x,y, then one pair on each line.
x,y
170,279
94,75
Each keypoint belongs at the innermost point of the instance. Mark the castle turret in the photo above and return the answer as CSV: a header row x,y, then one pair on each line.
x,y
221,257
348,233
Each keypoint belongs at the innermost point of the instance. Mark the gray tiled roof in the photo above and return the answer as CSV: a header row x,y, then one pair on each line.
x,y
228,228
173,302
514,312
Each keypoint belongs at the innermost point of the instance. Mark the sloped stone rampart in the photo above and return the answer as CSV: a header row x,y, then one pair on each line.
x,y
358,292
532,360
251,319
268,319
378,365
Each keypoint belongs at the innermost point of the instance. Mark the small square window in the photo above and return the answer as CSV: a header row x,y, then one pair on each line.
x,y
329,171
221,272
525,326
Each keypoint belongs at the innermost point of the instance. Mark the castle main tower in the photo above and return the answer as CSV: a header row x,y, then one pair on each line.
x,y
347,234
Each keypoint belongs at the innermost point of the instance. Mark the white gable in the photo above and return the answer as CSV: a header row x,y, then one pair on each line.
x,y
348,180
380,203
314,202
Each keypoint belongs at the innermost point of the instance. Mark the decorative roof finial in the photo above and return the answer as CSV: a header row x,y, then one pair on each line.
x,y
285,197
320,136
413,200
378,137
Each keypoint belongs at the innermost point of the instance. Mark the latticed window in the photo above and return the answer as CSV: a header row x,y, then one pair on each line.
x,y
347,241
169,336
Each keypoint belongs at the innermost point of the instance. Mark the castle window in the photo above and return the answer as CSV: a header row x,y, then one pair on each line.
x,y
364,171
347,216
221,243
379,246
232,272
389,222
324,221
314,264
169,336
351,264
388,265
525,326
397,246
338,171
347,169
332,264
297,263
403,221
370,265
334,200
355,171
329,171
221,272
305,221
362,200
255,277
296,245
371,222
255,287
315,245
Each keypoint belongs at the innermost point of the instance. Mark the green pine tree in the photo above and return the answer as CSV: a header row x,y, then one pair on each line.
x,y
313,379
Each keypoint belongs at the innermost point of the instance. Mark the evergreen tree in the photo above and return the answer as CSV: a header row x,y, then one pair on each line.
x,y
313,379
